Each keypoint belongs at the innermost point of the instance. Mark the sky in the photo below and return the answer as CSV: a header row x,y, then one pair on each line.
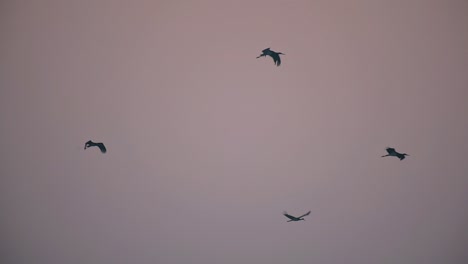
x,y
207,146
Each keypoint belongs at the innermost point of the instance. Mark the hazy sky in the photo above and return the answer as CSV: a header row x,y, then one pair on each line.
x,y
207,146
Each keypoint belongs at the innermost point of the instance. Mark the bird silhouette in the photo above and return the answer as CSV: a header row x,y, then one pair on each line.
x,y
99,145
273,54
392,153
293,218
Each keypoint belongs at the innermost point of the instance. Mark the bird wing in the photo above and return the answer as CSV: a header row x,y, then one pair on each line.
x,y
102,147
290,216
306,214
276,58
390,150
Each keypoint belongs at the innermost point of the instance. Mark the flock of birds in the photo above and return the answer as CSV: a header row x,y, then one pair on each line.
x,y
391,152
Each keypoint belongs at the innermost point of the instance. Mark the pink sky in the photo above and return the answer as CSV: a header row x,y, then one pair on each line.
x,y
207,146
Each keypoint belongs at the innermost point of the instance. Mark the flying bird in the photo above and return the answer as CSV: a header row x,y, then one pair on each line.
x,y
273,54
392,152
293,218
99,145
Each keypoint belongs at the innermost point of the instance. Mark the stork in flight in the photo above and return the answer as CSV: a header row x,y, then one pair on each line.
x,y
99,145
392,152
273,54
293,218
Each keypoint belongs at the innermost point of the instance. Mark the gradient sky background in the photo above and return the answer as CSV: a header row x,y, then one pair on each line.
x,y
208,145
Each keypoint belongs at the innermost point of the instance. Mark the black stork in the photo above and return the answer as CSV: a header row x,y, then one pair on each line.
x,y
99,145
392,153
273,54
293,218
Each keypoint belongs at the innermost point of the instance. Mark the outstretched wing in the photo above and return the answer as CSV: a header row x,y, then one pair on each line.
x,y
102,147
400,156
306,214
276,58
290,216
390,150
